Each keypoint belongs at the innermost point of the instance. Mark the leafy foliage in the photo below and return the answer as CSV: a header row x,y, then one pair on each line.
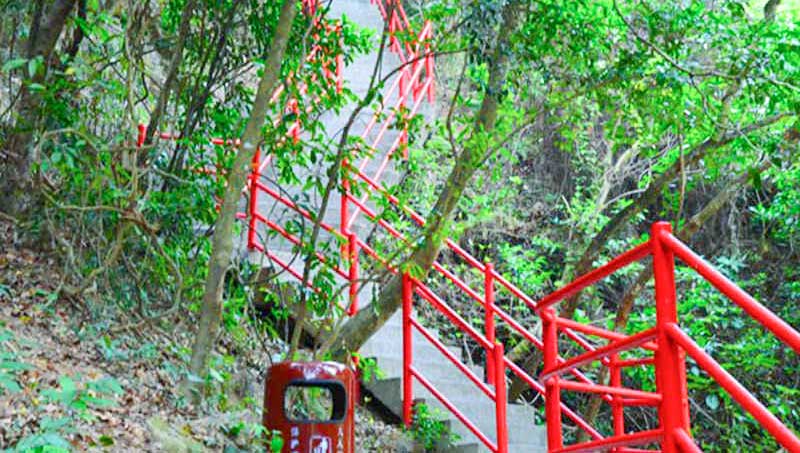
x,y
429,429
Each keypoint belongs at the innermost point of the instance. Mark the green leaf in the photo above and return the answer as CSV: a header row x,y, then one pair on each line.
x,y
33,65
755,178
14,365
108,386
215,375
106,441
14,64
9,383
55,440
67,385
276,442
195,379
54,424
47,442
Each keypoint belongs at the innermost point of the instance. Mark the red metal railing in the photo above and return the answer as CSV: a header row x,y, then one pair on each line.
x,y
669,345
494,350
414,79
664,345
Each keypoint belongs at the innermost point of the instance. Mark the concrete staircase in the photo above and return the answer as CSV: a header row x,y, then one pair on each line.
x,y
386,347
357,75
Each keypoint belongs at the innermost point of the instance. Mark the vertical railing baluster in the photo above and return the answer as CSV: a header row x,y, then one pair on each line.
x,y
408,394
552,390
346,249
501,397
429,71
352,253
670,360
617,406
253,204
488,309
142,134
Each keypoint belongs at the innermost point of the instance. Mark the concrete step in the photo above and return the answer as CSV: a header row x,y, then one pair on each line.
x,y
386,347
524,435
463,448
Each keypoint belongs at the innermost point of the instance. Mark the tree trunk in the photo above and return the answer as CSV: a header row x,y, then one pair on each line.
x,y
15,180
363,325
222,241
770,8
172,73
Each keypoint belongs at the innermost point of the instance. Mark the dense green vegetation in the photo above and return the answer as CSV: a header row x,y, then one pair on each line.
x,y
564,129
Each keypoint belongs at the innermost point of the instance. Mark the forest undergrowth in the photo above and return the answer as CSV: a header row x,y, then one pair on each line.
x,y
69,383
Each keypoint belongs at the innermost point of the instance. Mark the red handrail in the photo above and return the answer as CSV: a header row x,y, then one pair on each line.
x,y
627,258
738,392
630,342
597,331
410,286
760,313
609,390
640,438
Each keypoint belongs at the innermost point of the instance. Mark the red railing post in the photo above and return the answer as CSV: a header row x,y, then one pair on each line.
x,y
488,305
402,87
344,211
253,205
408,394
339,60
142,134
500,397
429,73
670,362
552,390
352,253
349,251
617,407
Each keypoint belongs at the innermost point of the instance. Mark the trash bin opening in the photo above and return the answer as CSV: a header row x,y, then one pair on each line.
x,y
315,401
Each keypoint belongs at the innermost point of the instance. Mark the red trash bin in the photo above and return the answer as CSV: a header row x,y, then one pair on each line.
x,y
312,405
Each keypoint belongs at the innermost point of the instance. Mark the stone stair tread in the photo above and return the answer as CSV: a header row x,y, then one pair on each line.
x,y
520,432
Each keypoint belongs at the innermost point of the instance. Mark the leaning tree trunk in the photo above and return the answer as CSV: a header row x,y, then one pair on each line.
x,y
222,241
363,325
172,73
15,178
